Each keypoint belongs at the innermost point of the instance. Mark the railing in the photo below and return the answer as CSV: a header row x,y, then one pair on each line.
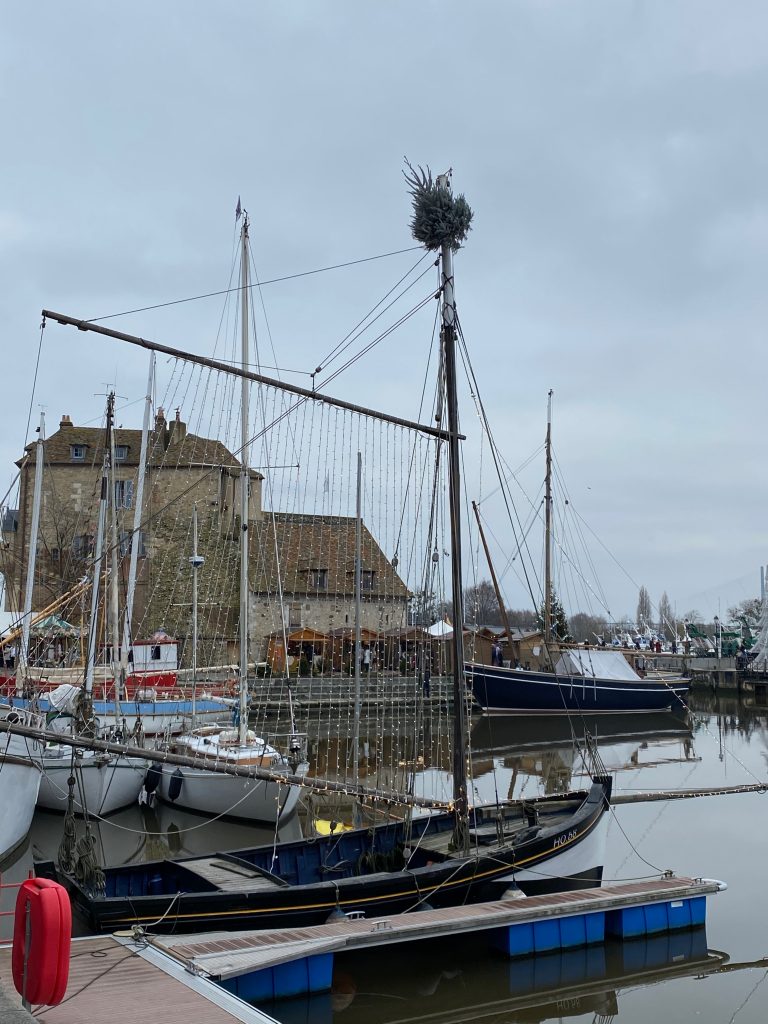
x,y
12,885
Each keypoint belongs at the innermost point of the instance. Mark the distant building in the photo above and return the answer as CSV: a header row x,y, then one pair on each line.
x,y
316,555
182,469
301,566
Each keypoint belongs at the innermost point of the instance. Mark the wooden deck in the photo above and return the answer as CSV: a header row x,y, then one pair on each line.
x,y
231,876
225,955
116,982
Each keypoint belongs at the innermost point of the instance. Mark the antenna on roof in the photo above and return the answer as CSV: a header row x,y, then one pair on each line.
x,y
111,390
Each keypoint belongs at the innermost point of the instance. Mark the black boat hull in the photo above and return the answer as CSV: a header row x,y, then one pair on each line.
x,y
430,878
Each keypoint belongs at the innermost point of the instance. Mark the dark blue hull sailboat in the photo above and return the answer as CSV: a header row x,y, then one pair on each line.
x,y
521,691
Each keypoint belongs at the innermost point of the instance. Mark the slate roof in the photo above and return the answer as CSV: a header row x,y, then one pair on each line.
x,y
192,450
307,542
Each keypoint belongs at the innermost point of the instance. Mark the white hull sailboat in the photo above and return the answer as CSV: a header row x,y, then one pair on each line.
x,y
20,780
213,793
103,784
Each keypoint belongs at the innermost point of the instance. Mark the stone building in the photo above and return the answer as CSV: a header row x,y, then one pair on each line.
x,y
316,555
302,566
182,470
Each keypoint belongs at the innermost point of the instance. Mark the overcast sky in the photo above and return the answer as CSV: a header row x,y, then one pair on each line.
x,y
616,157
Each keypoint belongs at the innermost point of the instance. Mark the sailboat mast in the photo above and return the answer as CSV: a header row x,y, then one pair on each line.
x,y
136,534
114,613
196,561
358,603
244,485
26,622
93,624
494,578
548,533
448,332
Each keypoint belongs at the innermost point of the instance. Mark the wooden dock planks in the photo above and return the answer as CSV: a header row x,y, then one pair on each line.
x,y
112,983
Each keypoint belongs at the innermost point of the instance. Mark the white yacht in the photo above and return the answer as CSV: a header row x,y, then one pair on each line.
x,y
219,794
103,783
20,775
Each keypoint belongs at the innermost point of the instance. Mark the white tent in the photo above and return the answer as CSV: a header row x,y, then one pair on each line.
x,y
441,629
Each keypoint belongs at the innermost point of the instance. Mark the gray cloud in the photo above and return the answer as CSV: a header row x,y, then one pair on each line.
x,y
615,156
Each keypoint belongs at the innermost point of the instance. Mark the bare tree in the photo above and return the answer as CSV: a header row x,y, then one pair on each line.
x,y
584,626
644,610
481,606
666,614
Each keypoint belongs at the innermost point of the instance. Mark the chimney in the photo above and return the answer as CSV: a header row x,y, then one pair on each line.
x,y
178,430
65,422
161,429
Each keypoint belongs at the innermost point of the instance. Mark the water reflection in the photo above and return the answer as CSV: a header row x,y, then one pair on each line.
x,y
514,753
511,757
143,833
459,982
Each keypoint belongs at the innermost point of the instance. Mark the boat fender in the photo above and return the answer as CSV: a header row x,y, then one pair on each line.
x,y
152,778
174,786
721,886
42,936
513,893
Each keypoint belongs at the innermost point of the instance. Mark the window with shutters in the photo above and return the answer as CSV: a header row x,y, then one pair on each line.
x,y
123,493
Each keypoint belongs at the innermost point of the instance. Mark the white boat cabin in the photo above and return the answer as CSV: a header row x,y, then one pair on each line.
x,y
157,654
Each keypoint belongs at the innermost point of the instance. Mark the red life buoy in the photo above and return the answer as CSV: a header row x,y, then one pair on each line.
x,y
45,905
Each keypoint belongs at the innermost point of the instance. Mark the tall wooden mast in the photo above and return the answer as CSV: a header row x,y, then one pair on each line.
x,y
548,535
448,340
244,485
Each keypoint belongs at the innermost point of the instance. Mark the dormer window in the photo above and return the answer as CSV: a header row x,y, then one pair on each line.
x,y
77,452
121,452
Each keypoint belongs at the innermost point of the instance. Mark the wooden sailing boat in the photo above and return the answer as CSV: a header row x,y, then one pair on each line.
x,y
210,792
465,853
569,680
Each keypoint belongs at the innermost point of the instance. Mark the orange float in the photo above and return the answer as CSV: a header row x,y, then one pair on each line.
x,y
42,935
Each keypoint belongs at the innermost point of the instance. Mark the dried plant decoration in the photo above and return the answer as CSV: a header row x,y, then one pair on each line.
x,y
439,217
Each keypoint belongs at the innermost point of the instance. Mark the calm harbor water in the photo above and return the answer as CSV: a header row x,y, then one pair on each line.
x,y
708,977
